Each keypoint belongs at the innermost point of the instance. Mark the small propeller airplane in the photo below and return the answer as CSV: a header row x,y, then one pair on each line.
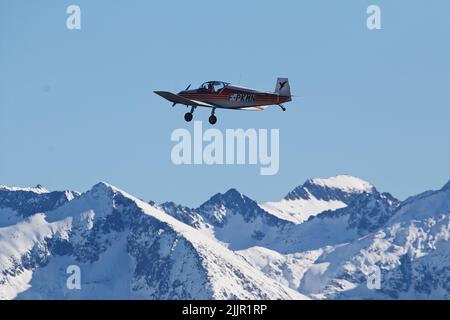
x,y
223,95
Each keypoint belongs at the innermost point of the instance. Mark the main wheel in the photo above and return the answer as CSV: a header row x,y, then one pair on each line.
x,y
213,119
188,117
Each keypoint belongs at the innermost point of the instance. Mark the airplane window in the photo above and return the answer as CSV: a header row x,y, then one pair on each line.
x,y
205,86
218,86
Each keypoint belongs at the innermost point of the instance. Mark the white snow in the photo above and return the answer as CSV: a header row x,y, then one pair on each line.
x,y
299,210
20,238
108,278
16,241
315,278
345,183
419,232
14,285
229,275
38,189
286,269
320,258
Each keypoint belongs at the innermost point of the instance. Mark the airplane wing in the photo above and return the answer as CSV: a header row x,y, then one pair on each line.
x,y
179,99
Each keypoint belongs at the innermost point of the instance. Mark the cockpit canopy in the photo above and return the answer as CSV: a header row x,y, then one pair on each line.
x,y
214,86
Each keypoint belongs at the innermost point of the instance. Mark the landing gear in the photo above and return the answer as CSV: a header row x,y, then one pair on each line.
x,y
282,107
189,115
212,119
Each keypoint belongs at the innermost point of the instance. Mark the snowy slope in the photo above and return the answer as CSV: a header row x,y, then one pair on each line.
x,y
287,269
38,189
232,219
125,249
316,196
344,183
228,248
18,202
332,255
240,223
412,250
365,213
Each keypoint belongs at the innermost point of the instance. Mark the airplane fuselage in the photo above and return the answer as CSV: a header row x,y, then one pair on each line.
x,y
233,97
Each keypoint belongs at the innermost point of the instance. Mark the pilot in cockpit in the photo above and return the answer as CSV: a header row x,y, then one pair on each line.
x,y
210,87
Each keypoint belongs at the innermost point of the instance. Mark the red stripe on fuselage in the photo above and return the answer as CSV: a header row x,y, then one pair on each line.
x,y
259,97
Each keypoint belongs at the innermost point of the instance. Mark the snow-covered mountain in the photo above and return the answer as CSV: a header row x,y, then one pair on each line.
x,y
17,203
321,241
125,249
316,196
240,223
231,218
412,250
363,214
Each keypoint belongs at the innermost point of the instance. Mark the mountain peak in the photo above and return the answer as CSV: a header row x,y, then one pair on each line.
x,y
318,195
231,203
37,189
102,185
345,183
106,190
233,193
105,186
338,187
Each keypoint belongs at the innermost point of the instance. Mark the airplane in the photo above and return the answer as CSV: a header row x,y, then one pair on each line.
x,y
223,95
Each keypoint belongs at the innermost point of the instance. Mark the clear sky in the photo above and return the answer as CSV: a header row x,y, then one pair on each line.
x,y
77,107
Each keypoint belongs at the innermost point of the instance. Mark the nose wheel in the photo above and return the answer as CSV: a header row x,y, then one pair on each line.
x,y
189,115
212,118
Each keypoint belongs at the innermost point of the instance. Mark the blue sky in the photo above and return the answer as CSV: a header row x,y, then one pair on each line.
x,y
77,107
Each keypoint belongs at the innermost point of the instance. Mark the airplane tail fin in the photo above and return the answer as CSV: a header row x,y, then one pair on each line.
x,y
282,87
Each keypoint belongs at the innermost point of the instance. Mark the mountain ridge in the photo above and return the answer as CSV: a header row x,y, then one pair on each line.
x,y
105,228
229,247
